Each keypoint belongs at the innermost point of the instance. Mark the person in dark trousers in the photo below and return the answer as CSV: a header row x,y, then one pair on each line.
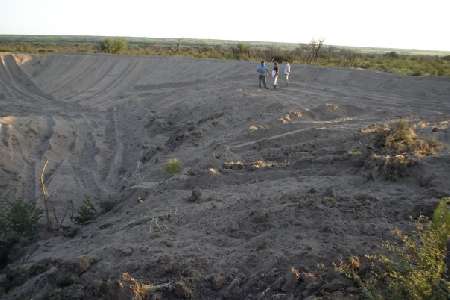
x,y
262,72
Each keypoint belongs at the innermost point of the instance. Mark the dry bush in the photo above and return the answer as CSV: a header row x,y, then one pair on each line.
x,y
402,138
128,287
395,147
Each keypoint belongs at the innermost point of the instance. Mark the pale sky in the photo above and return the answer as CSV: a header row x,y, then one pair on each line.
x,y
412,24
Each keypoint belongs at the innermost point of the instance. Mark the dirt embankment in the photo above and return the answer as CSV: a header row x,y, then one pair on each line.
x,y
276,176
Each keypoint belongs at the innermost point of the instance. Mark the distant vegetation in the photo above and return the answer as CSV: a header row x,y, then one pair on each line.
x,y
414,63
114,46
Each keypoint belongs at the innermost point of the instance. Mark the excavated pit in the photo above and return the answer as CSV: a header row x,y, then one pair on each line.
x,y
276,185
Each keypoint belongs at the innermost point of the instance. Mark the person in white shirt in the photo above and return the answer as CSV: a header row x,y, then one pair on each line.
x,y
287,71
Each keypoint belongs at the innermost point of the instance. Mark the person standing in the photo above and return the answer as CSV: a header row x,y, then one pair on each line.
x,y
262,72
275,75
287,71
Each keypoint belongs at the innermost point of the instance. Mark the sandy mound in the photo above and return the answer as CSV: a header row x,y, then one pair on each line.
x,y
268,178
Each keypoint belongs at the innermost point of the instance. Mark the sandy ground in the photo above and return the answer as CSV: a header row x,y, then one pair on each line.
x,y
107,124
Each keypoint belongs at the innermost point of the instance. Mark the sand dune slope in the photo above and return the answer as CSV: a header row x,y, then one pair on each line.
x,y
278,186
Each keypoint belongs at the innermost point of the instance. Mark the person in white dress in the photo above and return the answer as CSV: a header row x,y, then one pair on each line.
x,y
275,75
287,72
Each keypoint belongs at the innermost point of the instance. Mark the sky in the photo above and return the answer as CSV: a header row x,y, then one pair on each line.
x,y
408,24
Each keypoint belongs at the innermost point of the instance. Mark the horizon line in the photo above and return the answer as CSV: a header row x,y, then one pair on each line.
x,y
221,40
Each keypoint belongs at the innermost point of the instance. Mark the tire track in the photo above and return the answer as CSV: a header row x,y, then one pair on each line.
x,y
114,85
20,82
113,176
82,74
85,165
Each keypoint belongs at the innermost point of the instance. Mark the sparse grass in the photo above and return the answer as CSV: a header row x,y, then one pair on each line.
x,y
413,267
173,166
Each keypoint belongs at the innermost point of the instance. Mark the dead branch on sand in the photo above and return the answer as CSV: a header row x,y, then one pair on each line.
x,y
45,195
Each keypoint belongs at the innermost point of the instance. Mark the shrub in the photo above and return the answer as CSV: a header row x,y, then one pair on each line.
x,y
173,166
396,147
18,223
416,73
114,46
241,51
402,138
20,220
243,48
392,54
414,266
441,220
86,212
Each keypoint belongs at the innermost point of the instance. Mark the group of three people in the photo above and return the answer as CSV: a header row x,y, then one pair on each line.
x,y
263,71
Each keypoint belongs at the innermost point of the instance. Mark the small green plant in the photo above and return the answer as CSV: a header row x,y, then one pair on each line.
x,y
413,267
173,166
355,152
86,212
114,45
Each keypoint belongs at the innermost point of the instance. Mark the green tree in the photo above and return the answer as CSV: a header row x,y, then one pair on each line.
x,y
86,213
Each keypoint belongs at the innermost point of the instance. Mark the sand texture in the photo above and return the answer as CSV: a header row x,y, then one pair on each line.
x,y
268,180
